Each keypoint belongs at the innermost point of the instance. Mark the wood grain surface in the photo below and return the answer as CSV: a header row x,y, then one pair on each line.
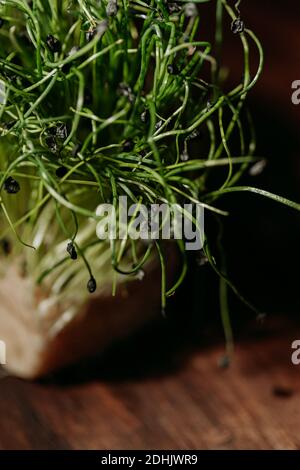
x,y
186,401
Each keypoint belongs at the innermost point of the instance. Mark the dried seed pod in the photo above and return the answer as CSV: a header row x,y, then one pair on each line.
x,y
72,251
11,186
53,43
92,285
61,171
238,26
128,145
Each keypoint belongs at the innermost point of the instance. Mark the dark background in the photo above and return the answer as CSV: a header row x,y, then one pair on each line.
x,y
264,237
261,238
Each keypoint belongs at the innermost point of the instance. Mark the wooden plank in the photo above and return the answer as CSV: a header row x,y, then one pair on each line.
x,y
254,404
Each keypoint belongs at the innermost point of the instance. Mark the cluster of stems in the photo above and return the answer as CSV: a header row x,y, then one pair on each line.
x,y
103,98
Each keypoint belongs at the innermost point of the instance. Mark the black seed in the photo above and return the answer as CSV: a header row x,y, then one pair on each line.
x,y
145,116
238,26
61,171
91,34
6,246
11,186
128,146
72,251
92,285
53,43
60,131
172,69
52,143
1,22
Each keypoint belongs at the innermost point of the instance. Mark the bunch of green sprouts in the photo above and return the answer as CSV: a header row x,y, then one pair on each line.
x,y
103,98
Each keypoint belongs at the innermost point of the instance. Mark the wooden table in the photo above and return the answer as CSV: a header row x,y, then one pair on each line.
x,y
186,401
